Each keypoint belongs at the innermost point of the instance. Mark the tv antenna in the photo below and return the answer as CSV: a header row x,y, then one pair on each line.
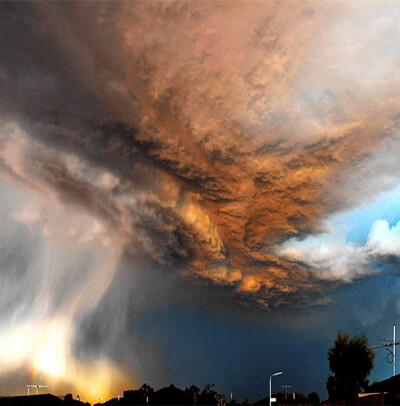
x,y
37,388
286,389
391,356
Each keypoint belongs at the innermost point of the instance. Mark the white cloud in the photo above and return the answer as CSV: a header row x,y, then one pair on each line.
x,y
383,240
339,260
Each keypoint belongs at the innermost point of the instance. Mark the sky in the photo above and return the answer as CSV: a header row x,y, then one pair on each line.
x,y
196,192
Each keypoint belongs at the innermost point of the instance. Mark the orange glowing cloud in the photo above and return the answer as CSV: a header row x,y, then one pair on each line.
x,y
207,134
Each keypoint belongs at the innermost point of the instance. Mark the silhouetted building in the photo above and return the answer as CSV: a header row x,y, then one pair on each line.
x,y
135,397
165,396
46,399
263,401
387,385
69,400
110,402
171,396
33,400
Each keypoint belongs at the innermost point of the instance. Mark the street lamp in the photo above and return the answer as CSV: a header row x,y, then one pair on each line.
x,y
270,388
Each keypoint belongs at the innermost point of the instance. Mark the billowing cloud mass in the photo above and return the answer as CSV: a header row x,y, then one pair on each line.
x,y
351,261
201,136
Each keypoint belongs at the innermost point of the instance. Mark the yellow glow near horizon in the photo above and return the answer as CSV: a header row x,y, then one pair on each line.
x,y
91,379
51,356
44,347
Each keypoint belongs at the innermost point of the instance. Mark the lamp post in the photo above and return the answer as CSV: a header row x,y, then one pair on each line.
x,y
270,387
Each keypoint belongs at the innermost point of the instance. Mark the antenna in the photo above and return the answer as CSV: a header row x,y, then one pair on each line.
x,y
37,388
391,356
286,387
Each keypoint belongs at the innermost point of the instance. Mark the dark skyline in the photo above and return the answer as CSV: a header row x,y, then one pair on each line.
x,y
195,192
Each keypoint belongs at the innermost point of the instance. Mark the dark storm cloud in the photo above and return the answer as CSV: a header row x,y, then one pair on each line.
x,y
207,135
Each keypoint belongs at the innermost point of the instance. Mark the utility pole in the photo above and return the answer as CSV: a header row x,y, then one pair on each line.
x,y
394,349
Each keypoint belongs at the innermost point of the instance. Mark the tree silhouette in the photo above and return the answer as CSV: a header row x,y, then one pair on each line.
x,y
194,391
209,396
350,361
146,389
281,397
313,398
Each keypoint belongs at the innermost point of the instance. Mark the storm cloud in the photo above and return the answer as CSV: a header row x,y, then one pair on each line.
x,y
199,137
222,131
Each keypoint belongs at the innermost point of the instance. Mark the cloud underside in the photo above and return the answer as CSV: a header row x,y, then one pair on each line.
x,y
205,134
